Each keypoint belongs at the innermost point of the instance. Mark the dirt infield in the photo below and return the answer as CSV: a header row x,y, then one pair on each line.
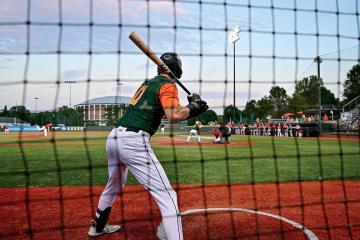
x,y
156,140
178,141
270,211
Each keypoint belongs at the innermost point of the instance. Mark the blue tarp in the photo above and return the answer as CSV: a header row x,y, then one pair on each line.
x,y
15,128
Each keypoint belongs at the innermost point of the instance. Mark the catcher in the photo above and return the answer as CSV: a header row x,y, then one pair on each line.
x,y
216,134
225,133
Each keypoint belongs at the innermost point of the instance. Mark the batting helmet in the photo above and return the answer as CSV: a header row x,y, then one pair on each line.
x,y
173,61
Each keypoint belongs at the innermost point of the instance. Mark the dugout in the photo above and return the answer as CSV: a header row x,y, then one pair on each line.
x,y
310,129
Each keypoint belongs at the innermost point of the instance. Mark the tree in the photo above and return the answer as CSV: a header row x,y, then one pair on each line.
x,y
279,99
43,118
208,116
69,116
264,107
20,112
5,111
231,112
113,113
297,103
204,118
352,84
250,111
327,97
308,88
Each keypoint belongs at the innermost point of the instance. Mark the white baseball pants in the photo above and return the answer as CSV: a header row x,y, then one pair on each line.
x,y
193,132
131,150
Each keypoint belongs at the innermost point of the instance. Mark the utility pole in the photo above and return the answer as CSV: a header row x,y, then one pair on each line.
x,y
319,60
233,38
36,104
70,82
36,98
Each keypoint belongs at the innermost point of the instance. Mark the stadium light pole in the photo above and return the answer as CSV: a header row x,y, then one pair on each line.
x,y
70,82
318,60
233,38
36,104
36,98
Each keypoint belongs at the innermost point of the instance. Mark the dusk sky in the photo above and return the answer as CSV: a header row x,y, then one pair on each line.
x,y
207,56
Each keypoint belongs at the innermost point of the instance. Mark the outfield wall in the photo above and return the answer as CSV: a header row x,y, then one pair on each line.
x,y
15,128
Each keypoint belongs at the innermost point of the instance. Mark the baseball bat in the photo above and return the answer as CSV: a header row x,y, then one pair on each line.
x,y
152,55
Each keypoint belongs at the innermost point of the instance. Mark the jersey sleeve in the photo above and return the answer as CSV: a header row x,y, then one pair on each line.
x,y
168,95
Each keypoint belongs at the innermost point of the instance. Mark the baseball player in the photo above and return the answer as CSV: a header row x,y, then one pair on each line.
x,y
195,131
225,133
216,134
46,128
162,128
6,129
128,147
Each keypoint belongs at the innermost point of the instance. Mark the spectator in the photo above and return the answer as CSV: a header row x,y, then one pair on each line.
x,y
298,130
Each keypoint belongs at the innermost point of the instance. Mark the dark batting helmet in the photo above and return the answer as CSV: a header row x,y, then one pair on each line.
x,y
173,61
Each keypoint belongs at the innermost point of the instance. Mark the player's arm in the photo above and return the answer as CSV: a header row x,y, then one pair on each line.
x,y
173,111
168,95
177,113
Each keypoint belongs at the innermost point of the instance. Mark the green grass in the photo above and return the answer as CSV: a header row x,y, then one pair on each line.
x,y
72,161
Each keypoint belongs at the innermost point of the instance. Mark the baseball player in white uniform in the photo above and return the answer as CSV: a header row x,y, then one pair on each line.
x,y
128,148
195,131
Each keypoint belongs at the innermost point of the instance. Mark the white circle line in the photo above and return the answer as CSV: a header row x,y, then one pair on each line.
x,y
306,231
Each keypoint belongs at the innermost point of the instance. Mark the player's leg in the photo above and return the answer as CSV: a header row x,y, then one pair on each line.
x,y
117,177
188,139
198,137
147,169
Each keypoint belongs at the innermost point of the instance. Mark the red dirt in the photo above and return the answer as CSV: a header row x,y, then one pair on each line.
x,y
177,141
156,140
299,202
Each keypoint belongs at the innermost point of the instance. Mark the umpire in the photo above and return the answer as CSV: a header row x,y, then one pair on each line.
x,y
225,133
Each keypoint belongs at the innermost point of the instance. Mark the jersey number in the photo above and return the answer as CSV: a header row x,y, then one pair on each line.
x,y
138,94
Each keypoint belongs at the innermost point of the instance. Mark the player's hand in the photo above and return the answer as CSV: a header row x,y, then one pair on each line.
x,y
193,97
163,68
196,105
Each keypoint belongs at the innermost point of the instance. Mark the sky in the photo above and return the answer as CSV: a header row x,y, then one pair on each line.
x,y
276,46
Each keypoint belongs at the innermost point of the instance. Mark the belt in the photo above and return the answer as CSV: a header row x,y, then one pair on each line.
x,y
132,129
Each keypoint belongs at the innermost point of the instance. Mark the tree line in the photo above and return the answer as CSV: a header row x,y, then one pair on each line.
x,y
305,96
63,115
276,103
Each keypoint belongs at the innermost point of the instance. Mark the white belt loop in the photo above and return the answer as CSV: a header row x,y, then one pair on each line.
x,y
121,129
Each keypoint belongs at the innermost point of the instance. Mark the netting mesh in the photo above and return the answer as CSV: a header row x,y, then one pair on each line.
x,y
260,185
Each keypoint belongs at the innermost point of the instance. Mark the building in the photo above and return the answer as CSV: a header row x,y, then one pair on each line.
x,y
94,109
7,121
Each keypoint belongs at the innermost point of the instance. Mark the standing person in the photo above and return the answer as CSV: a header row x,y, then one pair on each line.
x,y
128,147
279,130
225,133
162,128
195,131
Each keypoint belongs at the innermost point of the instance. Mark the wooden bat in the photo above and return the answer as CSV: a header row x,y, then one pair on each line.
x,y
152,55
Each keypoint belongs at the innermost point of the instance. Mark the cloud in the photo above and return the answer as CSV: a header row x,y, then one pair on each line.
x,y
73,74
163,6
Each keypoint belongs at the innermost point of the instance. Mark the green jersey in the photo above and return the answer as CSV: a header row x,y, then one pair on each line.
x,y
145,110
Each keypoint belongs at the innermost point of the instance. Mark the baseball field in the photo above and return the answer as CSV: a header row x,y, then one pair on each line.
x,y
256,187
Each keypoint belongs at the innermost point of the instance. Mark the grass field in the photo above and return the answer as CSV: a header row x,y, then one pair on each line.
x,y
79,159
